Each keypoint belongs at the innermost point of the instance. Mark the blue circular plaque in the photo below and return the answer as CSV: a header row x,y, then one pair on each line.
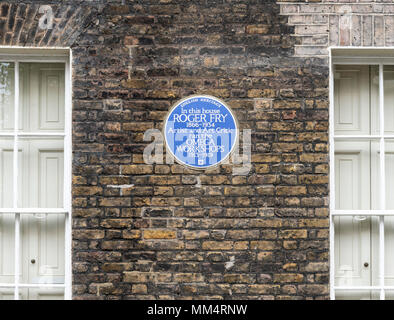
x,y
200,131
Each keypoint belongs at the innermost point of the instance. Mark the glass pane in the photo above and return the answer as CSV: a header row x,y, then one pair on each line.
x,y
42,238
6,172
42,96
6,294
356,175
41,171
389,100
7,84
374,262
389,295
388,251
356,100
374,107
357,295
7,246
42,294
389,174
352,251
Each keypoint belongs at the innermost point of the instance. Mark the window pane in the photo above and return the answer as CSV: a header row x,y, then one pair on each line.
x,y
7,85
6,294
389,295
42,294
389,100
356,175
42,96
357,254
388,251
357,295
389,173
6,172
375,100
356,100
7,245
352,251
41,171
42,239
374,263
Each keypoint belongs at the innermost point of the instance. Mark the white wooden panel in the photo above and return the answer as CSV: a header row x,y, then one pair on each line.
x,y
352,175
52,99
42,172
351,95
44,99
51,177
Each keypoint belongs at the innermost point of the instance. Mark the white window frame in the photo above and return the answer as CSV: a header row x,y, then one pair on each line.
x,y
378,56
17,55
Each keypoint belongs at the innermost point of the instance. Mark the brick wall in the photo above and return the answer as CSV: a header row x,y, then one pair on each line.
x,y
322,23
162,231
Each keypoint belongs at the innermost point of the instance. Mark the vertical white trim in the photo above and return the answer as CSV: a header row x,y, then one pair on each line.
x,y
382,181
67,178
15,180
332,177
